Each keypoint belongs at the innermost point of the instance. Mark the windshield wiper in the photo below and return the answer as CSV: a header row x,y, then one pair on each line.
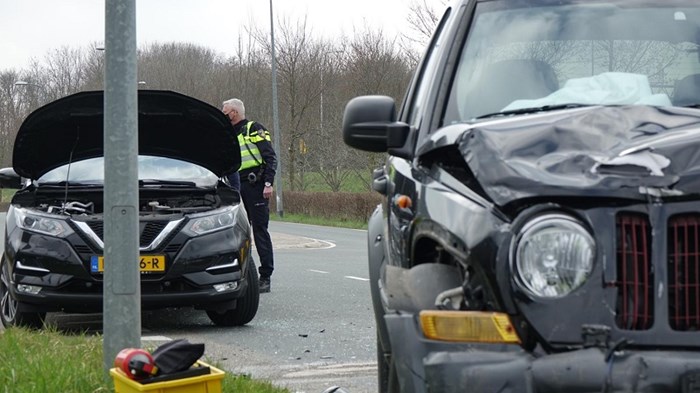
x,y
64,183
167,183
535,109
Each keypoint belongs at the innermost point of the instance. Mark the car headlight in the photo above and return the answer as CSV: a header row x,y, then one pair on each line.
x,y
212,221
553,256
40,223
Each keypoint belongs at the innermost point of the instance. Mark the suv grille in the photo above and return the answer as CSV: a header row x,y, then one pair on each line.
x,y
635,272
684,272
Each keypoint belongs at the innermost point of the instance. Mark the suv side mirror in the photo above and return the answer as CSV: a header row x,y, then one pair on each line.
x,y
369,124
10,179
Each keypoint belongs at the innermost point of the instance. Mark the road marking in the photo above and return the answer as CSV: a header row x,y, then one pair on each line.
x,y
318,271
155,338
357,278
334,370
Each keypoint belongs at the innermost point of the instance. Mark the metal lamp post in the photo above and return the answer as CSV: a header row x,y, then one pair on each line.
x,y
122,290
275,120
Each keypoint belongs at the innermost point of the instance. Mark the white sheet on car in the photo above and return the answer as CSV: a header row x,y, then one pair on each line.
x,y
653,162
608,88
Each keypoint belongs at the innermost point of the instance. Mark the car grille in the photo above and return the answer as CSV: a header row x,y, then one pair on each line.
x,y
149,230
636,272
684,272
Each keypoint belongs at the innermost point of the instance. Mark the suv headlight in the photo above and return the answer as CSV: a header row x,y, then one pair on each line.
x,y
553,256
40,223
212,221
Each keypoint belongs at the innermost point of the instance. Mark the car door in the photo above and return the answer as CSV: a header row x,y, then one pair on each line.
x,y
403,177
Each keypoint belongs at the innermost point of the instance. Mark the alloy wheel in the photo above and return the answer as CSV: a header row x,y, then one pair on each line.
x,y
8,305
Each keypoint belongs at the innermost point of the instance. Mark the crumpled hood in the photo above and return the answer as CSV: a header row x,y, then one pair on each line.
x,y
626,152
170,125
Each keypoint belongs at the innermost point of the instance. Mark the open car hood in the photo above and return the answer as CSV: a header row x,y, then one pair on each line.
x,y
629,152
170,125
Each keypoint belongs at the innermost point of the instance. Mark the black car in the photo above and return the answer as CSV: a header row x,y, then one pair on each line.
x,y
540,230
194,240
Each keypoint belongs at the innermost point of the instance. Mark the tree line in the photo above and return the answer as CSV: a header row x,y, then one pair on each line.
x,y
316,77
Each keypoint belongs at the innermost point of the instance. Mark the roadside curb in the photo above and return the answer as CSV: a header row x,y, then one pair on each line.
x,y
286,241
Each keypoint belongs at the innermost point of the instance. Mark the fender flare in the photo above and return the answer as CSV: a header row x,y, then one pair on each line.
x,y
376,260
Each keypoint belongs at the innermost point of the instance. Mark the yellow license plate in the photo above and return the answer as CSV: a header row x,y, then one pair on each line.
x,y
147,263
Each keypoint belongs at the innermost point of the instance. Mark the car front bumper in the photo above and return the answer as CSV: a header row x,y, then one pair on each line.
x,y
68,284
153,296
426,366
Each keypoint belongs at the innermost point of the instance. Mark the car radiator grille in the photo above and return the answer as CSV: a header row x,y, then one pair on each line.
x,y
684,272
149,230
636,272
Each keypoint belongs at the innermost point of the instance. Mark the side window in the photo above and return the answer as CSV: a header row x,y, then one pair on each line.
x,y
418,91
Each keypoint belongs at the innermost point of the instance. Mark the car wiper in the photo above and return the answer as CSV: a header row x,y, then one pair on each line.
x,y
167,183
64,183
535,109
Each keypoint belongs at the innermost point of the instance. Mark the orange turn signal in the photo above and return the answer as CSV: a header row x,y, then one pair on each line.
x,y
468,326
404,202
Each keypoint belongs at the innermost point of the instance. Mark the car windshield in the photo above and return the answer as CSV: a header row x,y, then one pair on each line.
x,y
554,54
150,168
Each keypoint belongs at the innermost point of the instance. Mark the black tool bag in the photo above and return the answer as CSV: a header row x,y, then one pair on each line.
x,y
177,355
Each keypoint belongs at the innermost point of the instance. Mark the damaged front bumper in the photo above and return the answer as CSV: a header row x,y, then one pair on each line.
x,y
585,370
433,366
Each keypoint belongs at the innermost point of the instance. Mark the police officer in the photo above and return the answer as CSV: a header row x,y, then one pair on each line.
x,y
257,173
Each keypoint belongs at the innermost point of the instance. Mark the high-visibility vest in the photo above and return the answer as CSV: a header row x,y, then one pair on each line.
x,y
250,154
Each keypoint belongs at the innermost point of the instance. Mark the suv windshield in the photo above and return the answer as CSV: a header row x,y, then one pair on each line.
x,y
91,171
550,54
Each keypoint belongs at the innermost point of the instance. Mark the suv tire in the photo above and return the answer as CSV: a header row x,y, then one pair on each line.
x,y
246,306
13,312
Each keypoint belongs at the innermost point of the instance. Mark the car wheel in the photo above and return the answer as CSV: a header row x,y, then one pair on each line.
x,y
386,371
12,312
246,306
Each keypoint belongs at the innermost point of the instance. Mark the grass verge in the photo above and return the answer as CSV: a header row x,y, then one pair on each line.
x,y
49,361
329,222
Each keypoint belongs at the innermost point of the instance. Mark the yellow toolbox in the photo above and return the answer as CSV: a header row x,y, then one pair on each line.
x,y
206,383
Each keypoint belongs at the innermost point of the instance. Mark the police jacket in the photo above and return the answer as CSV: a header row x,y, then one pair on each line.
x,y
257,152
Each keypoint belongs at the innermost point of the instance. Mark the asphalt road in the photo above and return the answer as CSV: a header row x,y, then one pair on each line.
x,y
314,330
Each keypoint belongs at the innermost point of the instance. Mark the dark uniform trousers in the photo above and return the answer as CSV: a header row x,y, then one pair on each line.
x,y
258,209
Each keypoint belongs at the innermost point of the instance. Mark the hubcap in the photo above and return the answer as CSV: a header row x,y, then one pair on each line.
x,y
8,306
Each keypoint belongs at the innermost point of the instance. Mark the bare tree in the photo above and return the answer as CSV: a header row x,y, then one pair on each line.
x,y
94,68
62,72
299,58
423,17
12,110
183,67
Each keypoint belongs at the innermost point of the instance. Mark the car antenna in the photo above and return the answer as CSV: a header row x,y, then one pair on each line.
x,y
70,161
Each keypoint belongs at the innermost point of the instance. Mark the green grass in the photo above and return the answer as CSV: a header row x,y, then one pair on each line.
x,y
6,195
48,361
302,219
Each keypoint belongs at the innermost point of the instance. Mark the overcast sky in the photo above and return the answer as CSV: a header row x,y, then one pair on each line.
x,y
31,28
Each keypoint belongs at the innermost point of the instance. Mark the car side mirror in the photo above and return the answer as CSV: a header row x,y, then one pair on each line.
x,y
369,124
10,179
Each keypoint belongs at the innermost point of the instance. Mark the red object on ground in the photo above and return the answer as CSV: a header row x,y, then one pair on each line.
x,y
136,363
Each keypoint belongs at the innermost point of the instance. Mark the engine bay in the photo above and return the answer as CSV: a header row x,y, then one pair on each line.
x,y
87,203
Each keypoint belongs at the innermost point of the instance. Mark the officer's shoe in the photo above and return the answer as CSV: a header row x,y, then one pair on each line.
x,y
264,284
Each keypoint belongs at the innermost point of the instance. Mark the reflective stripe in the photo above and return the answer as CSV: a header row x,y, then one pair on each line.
x,y
250,154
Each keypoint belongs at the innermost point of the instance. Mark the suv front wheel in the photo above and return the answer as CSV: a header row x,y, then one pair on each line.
x,y
246,306
12,312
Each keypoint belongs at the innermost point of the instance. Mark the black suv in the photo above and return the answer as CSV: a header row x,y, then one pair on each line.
x,y
541,226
